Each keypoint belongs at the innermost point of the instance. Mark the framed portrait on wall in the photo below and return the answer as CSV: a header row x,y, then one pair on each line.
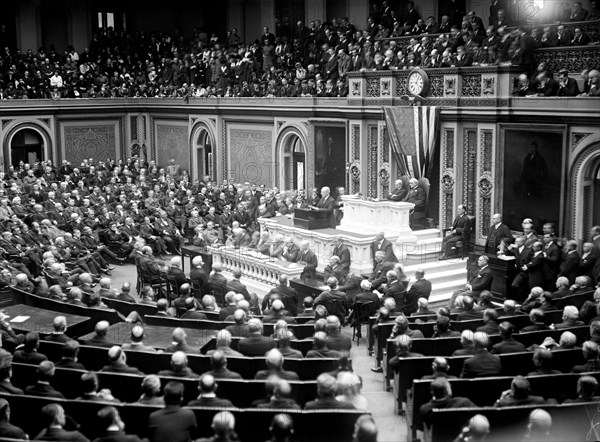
x,y
330,156
533,161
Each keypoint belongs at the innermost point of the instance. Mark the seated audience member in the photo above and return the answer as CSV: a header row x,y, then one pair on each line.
x,y
562,288
403,347
280,396
151,391
240,328
58,335
365,429
207,386
335,339
539,426
125,295
276,314
179,342
518,395
321,348
172,422
326,389
538,321
422,308
137,341
333,300
191,310
490,318
482,363
308,311
114,427
274,360
99,339
70,350
179,367
162,308
509,308
442,398
89,386
118,362
508,344
282,428
466,341
440,368
223,343
223,426
29,354
54,414
590,309
255,344
230,306
542,360
476,430
6,373
282,341
533,300
590,354
442,328
570,318
468,310
218,361
349,385
45,373
485,301
8,430
401,327
586,387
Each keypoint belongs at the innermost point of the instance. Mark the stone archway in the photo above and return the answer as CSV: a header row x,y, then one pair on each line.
x,y
203,150
43,142
584,191
292,170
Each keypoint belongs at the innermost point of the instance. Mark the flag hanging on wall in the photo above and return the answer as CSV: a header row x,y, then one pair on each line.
x,y
413,132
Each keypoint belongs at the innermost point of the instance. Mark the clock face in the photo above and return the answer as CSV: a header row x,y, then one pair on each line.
x,y
416,83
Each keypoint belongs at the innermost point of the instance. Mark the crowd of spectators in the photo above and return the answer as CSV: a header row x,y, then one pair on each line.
x,y
297,61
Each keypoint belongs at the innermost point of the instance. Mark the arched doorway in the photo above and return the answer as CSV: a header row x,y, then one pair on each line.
x,y
55,25
27,145
204,164
294,163
591,195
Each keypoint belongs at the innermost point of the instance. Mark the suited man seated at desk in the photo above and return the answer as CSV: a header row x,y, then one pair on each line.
x,y
380,269
335,269
308,259
461,229
481,280
326,204
288,296
398,193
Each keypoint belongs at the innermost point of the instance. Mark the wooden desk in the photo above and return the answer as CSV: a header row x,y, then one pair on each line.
x,y
503,272
40,320
192,252
307,287
155,335
311,219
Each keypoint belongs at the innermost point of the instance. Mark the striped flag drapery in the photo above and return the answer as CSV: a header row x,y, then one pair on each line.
x,y
412,131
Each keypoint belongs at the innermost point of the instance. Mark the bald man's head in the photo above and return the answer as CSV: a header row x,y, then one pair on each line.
x,y
365,429
282,426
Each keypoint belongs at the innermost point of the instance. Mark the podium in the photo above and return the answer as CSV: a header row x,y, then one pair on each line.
x,y
311,219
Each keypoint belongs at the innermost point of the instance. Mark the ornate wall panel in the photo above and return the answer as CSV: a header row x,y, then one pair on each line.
x,y
448,177
469,167
471,86
372,161
485,181
172,142
250,153
79,140
353,177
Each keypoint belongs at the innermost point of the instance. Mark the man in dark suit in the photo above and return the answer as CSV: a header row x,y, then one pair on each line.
x,y
307,258
326,391
461,231
326,204
29,354
207,386
335,339
482,363
69,352
522,255
551,261
398,193
342,252
335,269
236,286
569,267
508,344
43,388
114,427
417,196
383,245
118,362
441,398
277,314
99,339
394,289
380,268
198,275
499,233
274,360
256,344
172,422
481,280
567,87
333,300
54,414
421,288
290,250
288,295
535,267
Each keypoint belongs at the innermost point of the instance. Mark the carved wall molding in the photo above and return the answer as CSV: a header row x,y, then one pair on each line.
x,y
577,138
